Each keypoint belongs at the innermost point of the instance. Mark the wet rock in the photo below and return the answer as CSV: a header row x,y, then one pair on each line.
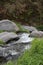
x,y
8,53
13,55
5,36
36,34
18,47
8,25
29,28
3,52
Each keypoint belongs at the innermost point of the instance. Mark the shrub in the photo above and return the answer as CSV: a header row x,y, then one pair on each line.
x,y
40,27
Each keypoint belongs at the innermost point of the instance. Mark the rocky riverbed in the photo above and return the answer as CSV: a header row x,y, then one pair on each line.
x,y
14,44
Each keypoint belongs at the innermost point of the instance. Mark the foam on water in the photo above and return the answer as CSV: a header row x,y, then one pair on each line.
x,y
25,38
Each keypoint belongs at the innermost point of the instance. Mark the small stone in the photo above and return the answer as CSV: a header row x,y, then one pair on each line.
x,y
36,34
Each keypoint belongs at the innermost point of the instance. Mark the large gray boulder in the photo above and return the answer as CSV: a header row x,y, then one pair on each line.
x,y
8,25
29,28
36,34
5,36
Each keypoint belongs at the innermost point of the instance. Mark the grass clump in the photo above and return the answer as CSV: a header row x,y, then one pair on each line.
x,y
1,42
21,29
34,56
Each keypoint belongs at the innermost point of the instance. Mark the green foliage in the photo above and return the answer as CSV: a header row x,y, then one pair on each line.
x,y
10,63
1,42
40,27
21,29
2,31
34,56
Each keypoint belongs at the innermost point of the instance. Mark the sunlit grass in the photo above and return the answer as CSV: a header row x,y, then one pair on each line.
x,y
34,56
21,29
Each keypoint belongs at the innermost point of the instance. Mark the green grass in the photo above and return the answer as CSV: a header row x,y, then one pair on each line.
x,y
34,56
1,42
21,29
2,31
10,63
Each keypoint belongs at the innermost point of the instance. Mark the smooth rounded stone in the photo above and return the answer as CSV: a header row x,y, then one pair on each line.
x,y
29,28
36,34
5,36
8,25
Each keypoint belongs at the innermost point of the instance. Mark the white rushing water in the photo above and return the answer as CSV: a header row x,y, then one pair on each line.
x,y
25,38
